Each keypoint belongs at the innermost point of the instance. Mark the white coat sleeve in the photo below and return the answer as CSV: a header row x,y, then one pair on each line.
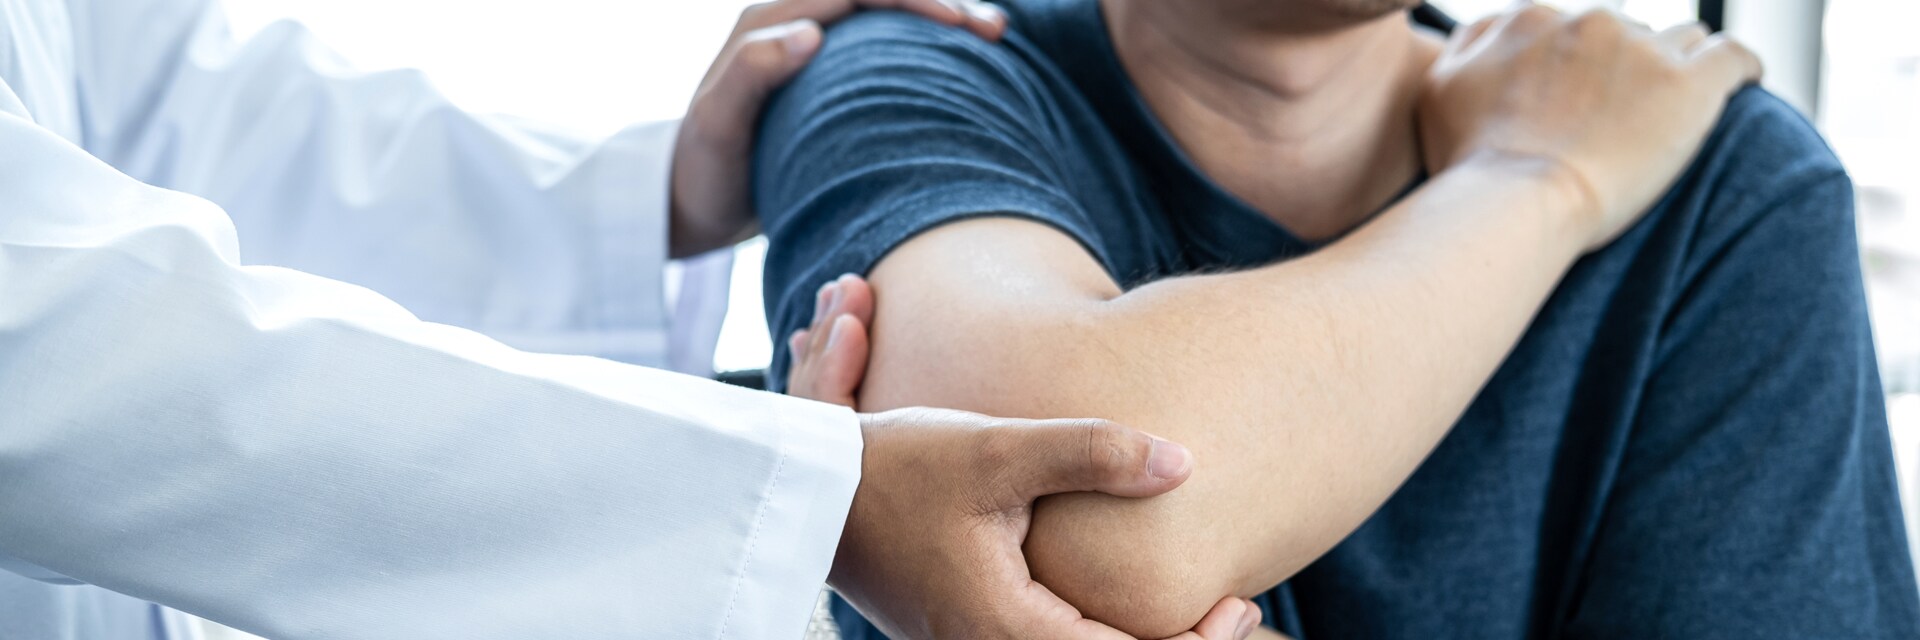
x,y
548,240
301,458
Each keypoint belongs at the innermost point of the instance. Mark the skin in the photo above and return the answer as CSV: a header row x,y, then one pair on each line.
x,y
1338,117
931,547
1331,375
946,497
830,362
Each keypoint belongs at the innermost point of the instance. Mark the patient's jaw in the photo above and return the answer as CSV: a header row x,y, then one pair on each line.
x,y
1302,108
1368,8
1289,16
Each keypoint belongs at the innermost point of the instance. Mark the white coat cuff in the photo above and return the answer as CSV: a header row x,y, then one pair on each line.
x,y
798,528
633,192
32,571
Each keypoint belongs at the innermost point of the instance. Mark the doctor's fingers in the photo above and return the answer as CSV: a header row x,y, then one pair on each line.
x,y
829,370
751,67
982,19
1030,459
775,40
1038,613
830,355
1231,619
847,295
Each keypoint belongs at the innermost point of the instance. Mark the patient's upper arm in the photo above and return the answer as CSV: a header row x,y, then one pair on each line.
x,y
898,126
1009,317
977,315
925,158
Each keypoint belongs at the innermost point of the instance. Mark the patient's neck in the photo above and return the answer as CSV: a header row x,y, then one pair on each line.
x,y
1310,121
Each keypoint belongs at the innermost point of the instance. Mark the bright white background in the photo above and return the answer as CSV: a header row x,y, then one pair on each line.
x,y
598,64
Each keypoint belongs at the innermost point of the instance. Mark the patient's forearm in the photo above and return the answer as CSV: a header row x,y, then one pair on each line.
x,y
1308,390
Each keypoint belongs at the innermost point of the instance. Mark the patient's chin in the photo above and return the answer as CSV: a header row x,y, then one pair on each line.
x,y
1310,15
1366,9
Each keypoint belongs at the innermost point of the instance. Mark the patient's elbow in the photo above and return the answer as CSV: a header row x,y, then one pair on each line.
x,y
1127,563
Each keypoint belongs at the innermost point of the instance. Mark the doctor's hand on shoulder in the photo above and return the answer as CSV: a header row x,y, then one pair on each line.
x,y
932,546
711,203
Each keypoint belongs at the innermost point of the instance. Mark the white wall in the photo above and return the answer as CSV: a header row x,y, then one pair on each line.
x,y
594,64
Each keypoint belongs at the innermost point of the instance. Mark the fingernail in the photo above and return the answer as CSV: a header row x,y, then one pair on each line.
x,y
801,37
985,12
834,332
1246,624
829,294
1168,460
836,299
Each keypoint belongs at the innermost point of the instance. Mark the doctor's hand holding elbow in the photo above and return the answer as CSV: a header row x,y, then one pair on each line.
x,y
967,482
932,543
351,441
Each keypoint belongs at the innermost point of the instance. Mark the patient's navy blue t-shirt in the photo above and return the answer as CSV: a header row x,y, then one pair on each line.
x,y
1689,441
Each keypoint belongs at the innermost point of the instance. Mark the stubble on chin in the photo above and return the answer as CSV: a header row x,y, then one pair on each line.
x,y
1367,9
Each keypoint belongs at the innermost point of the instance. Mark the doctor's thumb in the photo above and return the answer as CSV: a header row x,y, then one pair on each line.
x,y
788,47
759,63
1066,456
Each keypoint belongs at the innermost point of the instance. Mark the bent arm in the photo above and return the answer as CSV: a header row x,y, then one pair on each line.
x,y
1330,377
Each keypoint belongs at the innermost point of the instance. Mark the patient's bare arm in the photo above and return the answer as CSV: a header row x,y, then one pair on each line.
x,y
830,359
1332,375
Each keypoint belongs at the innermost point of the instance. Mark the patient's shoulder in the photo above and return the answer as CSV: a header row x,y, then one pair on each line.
x,y
889,48
915,100
1764,175
900,28
1763,145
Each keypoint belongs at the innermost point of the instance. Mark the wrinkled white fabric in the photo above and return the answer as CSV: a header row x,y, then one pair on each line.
x,y
197,410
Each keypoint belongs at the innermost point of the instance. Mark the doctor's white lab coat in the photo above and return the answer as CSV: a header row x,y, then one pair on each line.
x,y
196,410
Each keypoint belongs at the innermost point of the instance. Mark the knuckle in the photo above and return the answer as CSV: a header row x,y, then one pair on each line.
x,y
1596,24
1536,16
1650,52
1536,12
1668,75
998,447
758,54
753,12
1107,446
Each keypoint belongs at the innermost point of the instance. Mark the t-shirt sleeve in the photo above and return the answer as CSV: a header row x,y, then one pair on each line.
x,y
898,126
1759,444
